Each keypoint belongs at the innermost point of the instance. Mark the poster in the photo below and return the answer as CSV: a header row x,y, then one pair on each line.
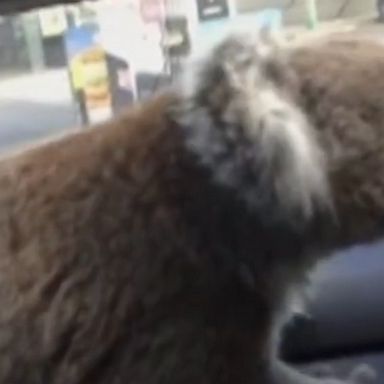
x,y
89,73
212,9
53,21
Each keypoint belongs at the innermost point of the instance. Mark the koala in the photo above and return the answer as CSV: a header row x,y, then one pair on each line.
x,y
166,246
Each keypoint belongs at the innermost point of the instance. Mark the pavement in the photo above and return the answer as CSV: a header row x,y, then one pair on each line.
x,y
35,106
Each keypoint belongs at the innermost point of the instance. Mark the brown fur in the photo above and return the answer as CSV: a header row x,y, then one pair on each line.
x,y
342,90
113,265
122,261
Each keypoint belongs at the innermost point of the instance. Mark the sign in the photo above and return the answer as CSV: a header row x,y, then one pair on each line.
x,y
176,39
89,73
212,9
96,84
53,21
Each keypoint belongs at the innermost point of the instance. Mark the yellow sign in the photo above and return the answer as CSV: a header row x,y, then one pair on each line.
x,y
90,74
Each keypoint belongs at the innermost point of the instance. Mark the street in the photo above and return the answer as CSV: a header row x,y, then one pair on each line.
x,y
35,106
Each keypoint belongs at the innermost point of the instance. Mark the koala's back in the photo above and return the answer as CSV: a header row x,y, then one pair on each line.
x,y
81,221
342,91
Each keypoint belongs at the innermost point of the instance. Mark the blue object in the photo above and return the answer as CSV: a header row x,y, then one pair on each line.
x,y
79,39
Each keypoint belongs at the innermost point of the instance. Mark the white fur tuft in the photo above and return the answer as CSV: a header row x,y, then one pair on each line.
x,y
243,123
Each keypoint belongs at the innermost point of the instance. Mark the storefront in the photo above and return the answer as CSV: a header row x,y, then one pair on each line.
x,y
295,11
34,41
13,53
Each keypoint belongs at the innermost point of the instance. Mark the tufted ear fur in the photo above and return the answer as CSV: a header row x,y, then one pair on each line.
x,y
241,121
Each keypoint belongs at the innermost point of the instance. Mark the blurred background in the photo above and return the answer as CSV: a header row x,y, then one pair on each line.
x,y
65,66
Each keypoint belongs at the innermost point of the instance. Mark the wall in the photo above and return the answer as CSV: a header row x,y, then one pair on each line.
x,y
296,12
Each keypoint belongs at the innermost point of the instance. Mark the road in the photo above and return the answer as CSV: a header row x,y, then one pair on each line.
x,y
35,106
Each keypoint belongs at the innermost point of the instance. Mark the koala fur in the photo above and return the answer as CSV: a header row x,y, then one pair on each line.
x,y
163,247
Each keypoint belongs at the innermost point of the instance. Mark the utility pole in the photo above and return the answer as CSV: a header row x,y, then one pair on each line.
x,y
313,19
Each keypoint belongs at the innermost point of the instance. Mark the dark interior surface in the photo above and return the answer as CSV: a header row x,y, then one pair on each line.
x,y
346,319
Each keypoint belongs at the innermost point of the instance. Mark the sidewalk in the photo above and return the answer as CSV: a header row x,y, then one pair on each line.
x,y
34,106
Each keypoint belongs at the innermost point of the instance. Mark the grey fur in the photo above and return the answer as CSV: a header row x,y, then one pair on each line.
x,y
243,125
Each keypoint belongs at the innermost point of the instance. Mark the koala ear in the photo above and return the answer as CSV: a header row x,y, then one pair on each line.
x,y
245,128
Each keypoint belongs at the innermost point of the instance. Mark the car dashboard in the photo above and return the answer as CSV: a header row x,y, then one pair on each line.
x,y
344,324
